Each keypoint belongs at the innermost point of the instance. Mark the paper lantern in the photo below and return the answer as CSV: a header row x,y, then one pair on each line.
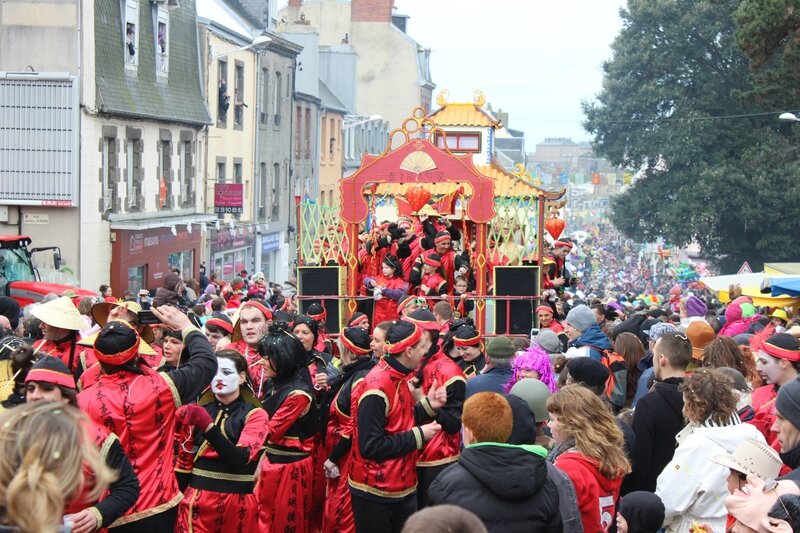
x,y
554,226
417,197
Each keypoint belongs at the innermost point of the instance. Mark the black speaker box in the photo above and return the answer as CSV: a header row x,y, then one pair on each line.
x,y
515,281
324,281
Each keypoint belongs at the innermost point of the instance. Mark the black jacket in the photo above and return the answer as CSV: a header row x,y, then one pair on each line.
x,y
506,486
657,419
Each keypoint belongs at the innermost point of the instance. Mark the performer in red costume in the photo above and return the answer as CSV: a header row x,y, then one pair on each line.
x,y
452,264
546,321
467,340
50,380
318,313
230,431
388,436
388,288
436,367
777,362
284,488
555,274
254,319
138,404
61,323
427,277
354,350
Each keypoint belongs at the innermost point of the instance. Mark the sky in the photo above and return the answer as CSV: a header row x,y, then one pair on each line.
x,y
535,59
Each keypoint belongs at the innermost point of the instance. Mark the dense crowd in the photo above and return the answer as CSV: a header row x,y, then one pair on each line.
x,y
215,406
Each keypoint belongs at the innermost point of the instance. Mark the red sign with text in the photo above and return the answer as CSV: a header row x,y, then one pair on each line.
x,y
228,198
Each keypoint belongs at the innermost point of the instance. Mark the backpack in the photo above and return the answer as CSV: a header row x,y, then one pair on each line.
x,y
617,382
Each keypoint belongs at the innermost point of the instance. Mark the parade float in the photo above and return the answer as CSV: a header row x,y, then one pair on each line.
x,y
437,165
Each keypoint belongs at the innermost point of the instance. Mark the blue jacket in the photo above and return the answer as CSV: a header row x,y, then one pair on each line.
x,y
493,380
594,337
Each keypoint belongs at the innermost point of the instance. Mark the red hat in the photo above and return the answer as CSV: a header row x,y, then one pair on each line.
x,y
544,309
783,346
563,242
442,236
424,319
433,260
117,343
51,370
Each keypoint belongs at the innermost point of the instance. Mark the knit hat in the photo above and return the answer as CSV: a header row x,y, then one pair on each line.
x,y
172,280
500,348
401,336
752,507
117,343
588,371
51,370
783,346
9,308
220,320
700,334
581,318
358,319
695,306
467,335
656,330
356,340
752,457
424,319
788,508
788,402
643,511
535,393
60,313
548,340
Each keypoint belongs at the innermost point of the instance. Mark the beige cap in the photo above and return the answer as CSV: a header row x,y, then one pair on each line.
x,y
753,458
60,313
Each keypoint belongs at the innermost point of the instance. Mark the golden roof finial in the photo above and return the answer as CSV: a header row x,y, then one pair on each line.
x,y
479,98
441,98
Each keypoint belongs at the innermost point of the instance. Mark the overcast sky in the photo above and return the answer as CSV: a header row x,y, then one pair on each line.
x,y
535,59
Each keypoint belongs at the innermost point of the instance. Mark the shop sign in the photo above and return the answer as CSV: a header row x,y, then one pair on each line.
x,y
229,198
270,242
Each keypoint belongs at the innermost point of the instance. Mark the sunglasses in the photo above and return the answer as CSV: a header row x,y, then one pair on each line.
x,y
770,485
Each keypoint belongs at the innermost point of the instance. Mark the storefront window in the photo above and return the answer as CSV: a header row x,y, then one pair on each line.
x,y
229,264
136,278
183,261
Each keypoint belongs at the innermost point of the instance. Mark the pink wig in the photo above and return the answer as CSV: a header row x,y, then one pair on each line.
x,y
536,359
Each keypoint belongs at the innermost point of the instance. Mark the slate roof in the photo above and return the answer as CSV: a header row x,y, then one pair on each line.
x,y
330,100
142,95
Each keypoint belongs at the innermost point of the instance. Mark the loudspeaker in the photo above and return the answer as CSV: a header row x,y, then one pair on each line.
x,y
324,281
515,281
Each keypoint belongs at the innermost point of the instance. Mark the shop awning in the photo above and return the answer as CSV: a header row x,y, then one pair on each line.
x,y
785,286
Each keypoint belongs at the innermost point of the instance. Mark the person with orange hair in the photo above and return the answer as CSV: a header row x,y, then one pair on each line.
x,y
505,485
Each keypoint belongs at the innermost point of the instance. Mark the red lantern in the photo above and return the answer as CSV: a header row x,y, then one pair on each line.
x,y
554,226
417,197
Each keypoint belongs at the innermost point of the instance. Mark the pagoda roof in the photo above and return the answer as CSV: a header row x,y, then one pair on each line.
x,y
458,114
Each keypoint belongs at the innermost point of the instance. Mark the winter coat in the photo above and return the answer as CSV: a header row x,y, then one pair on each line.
x,y
657,419
597,494
692,487
589,343
492,380
505,485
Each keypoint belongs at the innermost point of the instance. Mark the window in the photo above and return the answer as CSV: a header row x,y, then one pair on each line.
x,y
461,142
322,124
262,192
334,133
186,173
276,190
237,172
298,132
137,278
221,171
223,99
131,34
165,175
238,95
276,101
162,41
133,175
264,96
183,261
109,174
307,135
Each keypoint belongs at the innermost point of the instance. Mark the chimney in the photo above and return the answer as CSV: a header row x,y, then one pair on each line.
x,y
295,3
371,10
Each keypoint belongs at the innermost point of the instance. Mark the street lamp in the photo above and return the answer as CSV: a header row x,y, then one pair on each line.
x,y
789,116
258,41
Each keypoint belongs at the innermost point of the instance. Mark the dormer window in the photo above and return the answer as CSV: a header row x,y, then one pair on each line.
x,y
131,34
460,142
162,42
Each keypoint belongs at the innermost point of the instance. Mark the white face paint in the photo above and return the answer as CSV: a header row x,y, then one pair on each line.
x,y
226,381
